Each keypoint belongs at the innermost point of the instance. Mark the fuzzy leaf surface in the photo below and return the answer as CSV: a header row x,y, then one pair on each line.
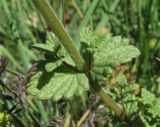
x,y
131,105
150,100
108,52
57,53
50,45
114,51
121,79
50,66
57,85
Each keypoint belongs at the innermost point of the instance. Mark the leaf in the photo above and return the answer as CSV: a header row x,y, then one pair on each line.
x,y
131,105
114,51
51,43
101,73
108,51
86,36
57,85
66,57
132,87
43,47
146,121
149,99
54,48
121,79
155,109
90,39
50,66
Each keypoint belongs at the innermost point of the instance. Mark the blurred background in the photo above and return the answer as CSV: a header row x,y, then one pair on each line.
x,y
21,26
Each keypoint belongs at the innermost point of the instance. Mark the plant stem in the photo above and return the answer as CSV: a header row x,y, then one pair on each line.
x,y
54,23
83,118
77,8
68,121
106,99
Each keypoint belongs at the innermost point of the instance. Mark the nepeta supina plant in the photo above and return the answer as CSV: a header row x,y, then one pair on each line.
x,y
65,72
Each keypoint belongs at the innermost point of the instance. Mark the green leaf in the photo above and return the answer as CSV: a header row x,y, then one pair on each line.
x,y
128,98
43,47
108,51
57,85
86,36
149,99
114,51
66,57
121,79
131,105
50,66
90,39
53,47
144,120
51,43
155,109
101,73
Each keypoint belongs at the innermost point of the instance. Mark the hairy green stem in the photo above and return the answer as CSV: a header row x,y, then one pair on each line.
x,y
107,100
54,23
